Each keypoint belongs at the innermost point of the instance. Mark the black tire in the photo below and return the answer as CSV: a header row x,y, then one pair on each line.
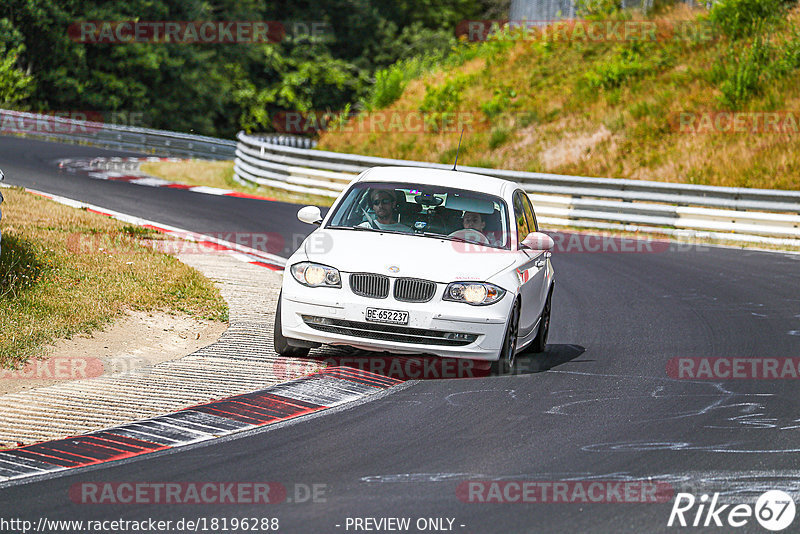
x,y
507,358
540,341
280,342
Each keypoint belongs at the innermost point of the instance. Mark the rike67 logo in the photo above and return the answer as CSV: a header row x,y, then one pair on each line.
x,y
774,510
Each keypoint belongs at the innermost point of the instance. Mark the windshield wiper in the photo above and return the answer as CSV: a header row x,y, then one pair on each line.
x,y
368,229
359,228
440,236
458,239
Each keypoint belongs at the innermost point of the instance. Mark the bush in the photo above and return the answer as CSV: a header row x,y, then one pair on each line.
x,y
744,75
742,18
391,81
389,85
444,98
628,62
499,102
751,66
597,9
788,55
498,137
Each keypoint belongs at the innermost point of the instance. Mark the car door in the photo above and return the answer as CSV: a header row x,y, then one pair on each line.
x,y
543,259
531,270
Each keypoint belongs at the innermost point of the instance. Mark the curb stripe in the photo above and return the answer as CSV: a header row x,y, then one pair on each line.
x,y
94,169
313,393
134,444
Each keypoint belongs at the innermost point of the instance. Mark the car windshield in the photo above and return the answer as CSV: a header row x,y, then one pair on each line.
x,y
425,211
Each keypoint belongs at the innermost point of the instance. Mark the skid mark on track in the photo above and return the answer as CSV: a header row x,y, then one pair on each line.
x,y
732,486
645,446
512,393
707,405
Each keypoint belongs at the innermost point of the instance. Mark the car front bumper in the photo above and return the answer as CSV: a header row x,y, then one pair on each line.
x,y
336,316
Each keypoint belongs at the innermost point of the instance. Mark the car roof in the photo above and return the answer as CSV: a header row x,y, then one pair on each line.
x,y
447,178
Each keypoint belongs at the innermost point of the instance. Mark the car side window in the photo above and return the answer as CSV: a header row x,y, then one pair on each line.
x,y
529,213
519,217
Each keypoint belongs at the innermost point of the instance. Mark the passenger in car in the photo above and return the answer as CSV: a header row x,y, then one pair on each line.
x,y
386,207
473,220
476,221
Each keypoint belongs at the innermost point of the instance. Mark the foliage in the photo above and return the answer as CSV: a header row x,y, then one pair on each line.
x,y
445,97
15,85
597,9
743,73
442,101
500,101
742,18
749,67
498,137
627,109
216,89
630,61
391,81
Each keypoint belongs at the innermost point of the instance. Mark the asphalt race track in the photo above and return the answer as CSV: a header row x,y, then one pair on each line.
x,y
599,405
33,164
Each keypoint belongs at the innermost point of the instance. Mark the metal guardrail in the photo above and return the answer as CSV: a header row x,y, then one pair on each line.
x,y
288,162
162,142
756,215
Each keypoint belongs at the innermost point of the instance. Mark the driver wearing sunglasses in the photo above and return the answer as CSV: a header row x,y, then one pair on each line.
x,y
385,205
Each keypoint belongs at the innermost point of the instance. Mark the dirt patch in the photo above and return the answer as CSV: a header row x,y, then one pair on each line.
x,y
573,148
136,340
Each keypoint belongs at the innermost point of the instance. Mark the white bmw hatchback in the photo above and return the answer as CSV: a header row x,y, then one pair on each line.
x,y
412,261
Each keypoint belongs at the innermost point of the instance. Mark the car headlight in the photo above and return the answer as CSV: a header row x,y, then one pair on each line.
x,y
474,293
316,275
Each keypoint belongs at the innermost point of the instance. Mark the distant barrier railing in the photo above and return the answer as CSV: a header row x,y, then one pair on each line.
x,y
740,214
106,135
290,163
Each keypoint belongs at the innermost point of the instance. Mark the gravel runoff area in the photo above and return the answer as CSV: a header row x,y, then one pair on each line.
x,y
241,361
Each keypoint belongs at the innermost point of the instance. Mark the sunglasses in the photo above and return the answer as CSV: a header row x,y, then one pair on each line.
x,y
382,201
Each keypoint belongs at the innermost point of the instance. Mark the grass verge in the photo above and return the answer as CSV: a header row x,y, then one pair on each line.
x,y
702,103
65,271
220,174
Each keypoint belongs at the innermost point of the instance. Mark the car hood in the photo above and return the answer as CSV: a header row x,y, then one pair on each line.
x,y
402,255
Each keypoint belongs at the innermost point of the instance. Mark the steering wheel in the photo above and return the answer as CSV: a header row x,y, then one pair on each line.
x,y
471,235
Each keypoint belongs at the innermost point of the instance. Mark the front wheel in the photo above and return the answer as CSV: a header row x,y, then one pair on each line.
x,y
280,342
505,363
540,342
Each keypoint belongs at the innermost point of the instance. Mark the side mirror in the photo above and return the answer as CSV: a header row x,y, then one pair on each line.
x,y
538,241
310,215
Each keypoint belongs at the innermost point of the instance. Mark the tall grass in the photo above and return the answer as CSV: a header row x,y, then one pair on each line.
x,y
608,108
391,81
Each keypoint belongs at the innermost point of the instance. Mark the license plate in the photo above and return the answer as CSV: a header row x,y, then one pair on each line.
x,y
380,315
